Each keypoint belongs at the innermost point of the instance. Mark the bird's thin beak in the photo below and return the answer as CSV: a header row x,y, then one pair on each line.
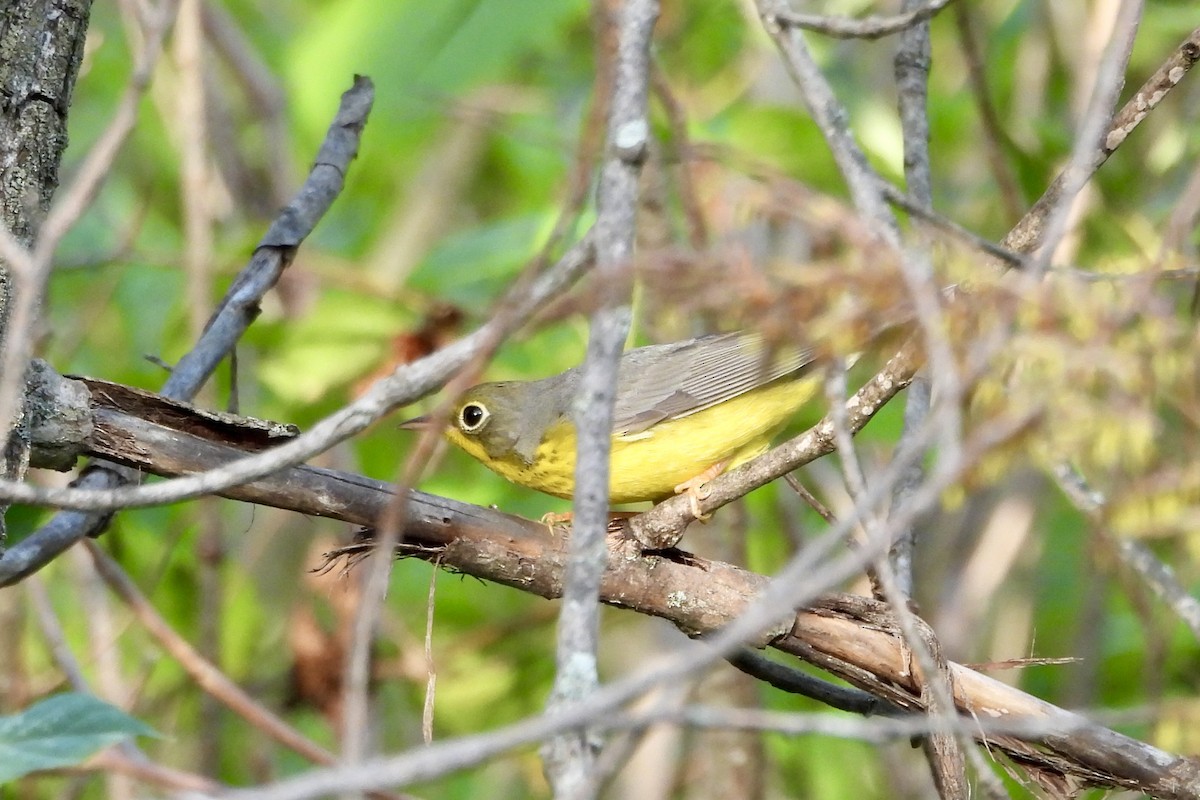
x,y
421,423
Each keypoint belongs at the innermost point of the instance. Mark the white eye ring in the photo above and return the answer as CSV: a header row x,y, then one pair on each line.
x,y
473,416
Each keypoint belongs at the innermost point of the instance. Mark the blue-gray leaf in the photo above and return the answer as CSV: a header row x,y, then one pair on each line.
x,y
61,731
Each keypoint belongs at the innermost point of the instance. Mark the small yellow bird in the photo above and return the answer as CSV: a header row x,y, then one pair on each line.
x,y
684,413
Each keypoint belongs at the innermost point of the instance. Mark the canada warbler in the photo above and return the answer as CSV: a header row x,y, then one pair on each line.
x,y
684,413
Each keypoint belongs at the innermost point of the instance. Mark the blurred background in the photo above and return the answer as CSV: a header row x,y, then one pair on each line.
x,y
481,145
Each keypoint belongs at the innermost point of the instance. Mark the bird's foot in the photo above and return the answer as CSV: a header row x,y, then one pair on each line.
x,y
697,489
552,520
565,519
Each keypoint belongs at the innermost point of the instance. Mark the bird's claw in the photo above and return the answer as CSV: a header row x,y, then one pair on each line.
x,y
554,519
695,495
696,489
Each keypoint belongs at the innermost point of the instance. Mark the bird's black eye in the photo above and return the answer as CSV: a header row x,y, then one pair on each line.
x,y
473,417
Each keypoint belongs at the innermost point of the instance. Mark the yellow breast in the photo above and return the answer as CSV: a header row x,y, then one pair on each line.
x,y
648,465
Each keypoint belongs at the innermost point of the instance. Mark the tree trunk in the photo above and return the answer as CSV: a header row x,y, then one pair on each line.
x,y
41,48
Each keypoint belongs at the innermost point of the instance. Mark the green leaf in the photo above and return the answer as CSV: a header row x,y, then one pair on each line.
x,y
61,731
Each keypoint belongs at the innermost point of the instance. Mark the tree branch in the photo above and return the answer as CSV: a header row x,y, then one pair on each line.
x,y
874,27
1029,233
570,760
857,639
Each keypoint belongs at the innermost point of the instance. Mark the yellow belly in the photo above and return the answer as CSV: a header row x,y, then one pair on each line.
x,y
650,464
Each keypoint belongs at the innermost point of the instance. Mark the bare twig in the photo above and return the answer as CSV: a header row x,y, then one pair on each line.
x,y
1029,233
831,117
683,150
867,27
570,760
864,185
893,577
406,385
526,297
430,666
264,89
117,762
945,757
52,632
103,634
911,67
951,228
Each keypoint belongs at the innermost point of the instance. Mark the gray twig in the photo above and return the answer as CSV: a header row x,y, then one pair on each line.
x,y
876,27
570,759
911,66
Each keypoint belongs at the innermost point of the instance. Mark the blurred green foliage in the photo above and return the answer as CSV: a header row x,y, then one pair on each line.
x,y
519,75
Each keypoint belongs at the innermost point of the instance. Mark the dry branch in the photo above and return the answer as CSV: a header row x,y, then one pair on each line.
x,y
854,638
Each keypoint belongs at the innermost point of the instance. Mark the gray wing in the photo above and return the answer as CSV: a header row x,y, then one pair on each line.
x,y
687,377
